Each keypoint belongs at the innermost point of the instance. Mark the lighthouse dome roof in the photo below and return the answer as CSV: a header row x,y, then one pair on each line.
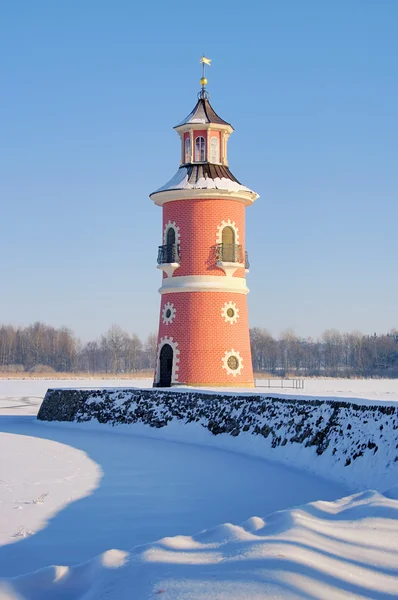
x,y
204,176
201,114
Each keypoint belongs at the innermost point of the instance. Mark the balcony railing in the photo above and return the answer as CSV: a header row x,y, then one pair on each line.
x,y
230,253
169,253
247,263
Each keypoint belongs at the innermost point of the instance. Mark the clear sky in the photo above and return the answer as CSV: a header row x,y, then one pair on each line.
x,y
90,92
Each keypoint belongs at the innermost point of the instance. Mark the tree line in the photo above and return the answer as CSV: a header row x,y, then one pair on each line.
x,y
334,354
43,348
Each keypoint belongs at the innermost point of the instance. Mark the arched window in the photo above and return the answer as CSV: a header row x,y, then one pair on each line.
x,y
200,149
228,244
171,236
228,235
171,250
188,157
214,150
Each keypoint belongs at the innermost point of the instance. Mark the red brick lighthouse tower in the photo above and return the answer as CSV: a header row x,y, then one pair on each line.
x,y
203,329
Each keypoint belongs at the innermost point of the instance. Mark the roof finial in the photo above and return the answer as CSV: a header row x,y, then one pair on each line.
x,y
203,82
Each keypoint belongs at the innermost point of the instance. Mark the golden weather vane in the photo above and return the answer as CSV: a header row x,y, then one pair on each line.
x,y
204,61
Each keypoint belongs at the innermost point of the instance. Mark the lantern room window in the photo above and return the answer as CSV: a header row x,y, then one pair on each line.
x,y
188,157
200,149
214,150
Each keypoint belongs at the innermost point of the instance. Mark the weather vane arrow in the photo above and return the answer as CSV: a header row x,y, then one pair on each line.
x,y
204,61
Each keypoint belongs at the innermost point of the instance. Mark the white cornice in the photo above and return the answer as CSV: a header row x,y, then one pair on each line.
x,y
160,198
201,126
204,283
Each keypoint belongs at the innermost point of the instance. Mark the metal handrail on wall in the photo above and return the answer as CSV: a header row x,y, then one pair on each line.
x,y
283,383
169,253
232,253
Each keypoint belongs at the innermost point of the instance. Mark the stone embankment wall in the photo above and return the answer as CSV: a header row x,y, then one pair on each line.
x,y
353,442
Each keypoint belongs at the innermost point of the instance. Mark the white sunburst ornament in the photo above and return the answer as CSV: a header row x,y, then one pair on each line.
x,y
230,312
232,362
168,313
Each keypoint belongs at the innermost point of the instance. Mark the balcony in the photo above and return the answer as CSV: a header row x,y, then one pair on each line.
x,y
231,257
169,258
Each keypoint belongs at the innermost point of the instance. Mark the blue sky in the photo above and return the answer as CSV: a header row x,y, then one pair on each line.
x,y
90,92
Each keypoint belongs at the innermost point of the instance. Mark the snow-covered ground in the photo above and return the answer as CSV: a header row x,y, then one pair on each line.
x,y
369,389
24,396
98,499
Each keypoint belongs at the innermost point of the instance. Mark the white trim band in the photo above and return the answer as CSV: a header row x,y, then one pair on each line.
x,y
204,283
160,198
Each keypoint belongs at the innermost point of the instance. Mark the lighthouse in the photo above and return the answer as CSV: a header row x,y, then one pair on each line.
x,y
203,335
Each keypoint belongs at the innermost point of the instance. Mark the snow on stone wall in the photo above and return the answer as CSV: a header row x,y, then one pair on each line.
x,y
356,443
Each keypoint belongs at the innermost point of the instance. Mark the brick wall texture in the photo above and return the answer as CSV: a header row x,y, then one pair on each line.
x,y
199,327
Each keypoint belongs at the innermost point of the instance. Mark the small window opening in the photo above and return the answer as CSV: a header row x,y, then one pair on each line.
x,y
171,236
200,149
233,363
214,150
170,247
188,156
228,244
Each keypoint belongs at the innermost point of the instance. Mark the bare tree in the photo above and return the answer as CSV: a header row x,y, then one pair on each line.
x,y
41,346
151,346
133,352
115,343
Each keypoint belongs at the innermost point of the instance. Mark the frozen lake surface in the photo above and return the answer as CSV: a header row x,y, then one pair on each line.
x,y
135,489
68,494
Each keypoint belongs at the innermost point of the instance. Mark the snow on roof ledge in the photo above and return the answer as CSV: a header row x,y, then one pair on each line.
x,y
180,181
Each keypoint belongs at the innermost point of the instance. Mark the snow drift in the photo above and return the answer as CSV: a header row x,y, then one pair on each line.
x,y
319,550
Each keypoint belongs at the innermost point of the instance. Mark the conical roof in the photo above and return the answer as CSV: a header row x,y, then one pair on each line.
x,y
204,177
203,113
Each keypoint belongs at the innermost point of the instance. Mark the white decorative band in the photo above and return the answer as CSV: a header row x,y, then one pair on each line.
x,y
204,283
160,198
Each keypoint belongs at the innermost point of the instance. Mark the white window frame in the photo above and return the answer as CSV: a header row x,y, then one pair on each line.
x,y
187,150
200,151
214,149
171,225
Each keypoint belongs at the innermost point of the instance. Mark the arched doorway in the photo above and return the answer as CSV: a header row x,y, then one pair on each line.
x,y
165,366
170,248
228,244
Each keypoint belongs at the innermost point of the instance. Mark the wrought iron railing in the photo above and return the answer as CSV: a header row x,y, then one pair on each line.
x,y
233,253
247,263
169,253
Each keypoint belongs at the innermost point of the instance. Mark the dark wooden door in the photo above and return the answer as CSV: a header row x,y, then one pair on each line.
x,y
166,366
